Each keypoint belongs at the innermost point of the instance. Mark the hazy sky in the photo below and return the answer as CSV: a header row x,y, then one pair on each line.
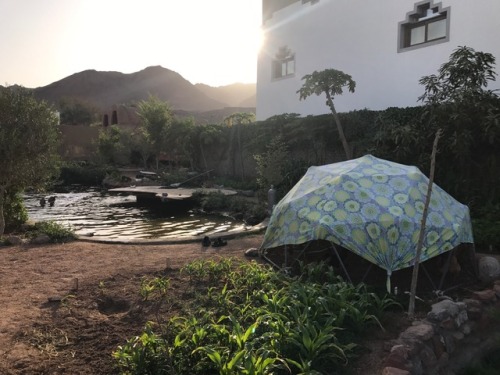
x,y
206,41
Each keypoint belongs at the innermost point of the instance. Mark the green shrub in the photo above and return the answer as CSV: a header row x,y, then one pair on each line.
x,y
212,201
84,174
486,228
56,232
15,213
248,319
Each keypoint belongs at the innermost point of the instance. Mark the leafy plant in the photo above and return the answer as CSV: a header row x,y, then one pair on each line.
x,y
248,319
56,232
330,82
144,354
157,287
14,211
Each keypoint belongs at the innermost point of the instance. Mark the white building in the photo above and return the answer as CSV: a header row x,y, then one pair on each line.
x,y
385,45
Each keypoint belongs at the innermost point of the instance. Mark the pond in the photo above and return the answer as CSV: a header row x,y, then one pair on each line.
x,y
99,214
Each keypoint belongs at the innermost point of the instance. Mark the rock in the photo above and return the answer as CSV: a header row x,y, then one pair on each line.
x,y
487,295
489,269
496,288
439,348
41,239
422,332
466,329
449,342
246,193
448,324
458,336
474,313
397,358
428,357
443,310
14,240
394,371
253,252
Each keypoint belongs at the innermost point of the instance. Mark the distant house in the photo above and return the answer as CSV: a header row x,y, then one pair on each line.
x,y
385,45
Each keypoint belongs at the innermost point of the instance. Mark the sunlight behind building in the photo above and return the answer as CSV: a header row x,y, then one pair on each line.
x,y
208,42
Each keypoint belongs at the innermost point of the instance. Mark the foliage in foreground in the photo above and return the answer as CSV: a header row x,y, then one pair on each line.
x,y
15,212
29,138
249,319
56,232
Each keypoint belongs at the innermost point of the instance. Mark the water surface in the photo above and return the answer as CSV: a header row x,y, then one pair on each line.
x,y
120,217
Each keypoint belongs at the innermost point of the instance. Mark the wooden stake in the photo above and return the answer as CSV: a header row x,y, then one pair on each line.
x,y
414,278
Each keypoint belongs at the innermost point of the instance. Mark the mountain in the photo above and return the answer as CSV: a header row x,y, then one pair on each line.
x,y
235,95
105,89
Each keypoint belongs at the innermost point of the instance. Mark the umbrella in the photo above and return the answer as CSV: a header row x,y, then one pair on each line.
x,y
372,207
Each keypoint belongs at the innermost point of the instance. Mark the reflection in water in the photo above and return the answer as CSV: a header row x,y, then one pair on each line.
x,y
119,217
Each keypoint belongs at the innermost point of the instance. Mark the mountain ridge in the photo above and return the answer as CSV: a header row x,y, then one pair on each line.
x,y
104,89
107,89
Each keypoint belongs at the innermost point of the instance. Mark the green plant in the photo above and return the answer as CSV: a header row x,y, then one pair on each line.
x,y
14,211
248,319
56,232
329,82
270,165
195,270
317,347
157,287
486,225
144,354
213,202
83,173
29,139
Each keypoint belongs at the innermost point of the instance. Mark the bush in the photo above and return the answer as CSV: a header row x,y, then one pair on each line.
x,y
56,232
212,202
486,226
84,174
248,209
14,211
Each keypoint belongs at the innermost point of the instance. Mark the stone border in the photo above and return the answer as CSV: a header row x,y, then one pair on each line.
x,y
453,335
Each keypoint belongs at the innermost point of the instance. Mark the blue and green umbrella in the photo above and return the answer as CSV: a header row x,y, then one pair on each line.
x,y
372,207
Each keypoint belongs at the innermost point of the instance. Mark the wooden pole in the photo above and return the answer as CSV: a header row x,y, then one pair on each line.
x,y
414,278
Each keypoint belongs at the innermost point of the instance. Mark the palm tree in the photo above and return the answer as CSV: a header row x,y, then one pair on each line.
x,y
329,82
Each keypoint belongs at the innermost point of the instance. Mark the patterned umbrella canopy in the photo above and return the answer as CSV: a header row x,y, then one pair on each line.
x,y
372,207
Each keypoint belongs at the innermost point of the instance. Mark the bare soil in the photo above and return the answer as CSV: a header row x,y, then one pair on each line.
x,y
66,307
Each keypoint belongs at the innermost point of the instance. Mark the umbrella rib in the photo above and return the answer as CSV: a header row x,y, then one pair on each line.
x,y
341,263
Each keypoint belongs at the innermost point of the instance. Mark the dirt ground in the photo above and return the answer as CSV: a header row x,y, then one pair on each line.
x,y
66,307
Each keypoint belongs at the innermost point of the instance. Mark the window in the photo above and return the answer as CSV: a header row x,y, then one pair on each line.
x,y
283,64
427,25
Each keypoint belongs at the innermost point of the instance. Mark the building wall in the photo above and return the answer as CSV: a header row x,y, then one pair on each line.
x,y
360,38
78,142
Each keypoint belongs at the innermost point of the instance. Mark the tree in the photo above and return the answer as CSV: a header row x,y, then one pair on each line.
x,y
77,112
329,82
29,138
235,122
156,120
459,102
179,140
210,138
462,79
110,145
271,164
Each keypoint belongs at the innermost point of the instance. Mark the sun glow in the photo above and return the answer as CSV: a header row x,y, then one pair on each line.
x,y
212,42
